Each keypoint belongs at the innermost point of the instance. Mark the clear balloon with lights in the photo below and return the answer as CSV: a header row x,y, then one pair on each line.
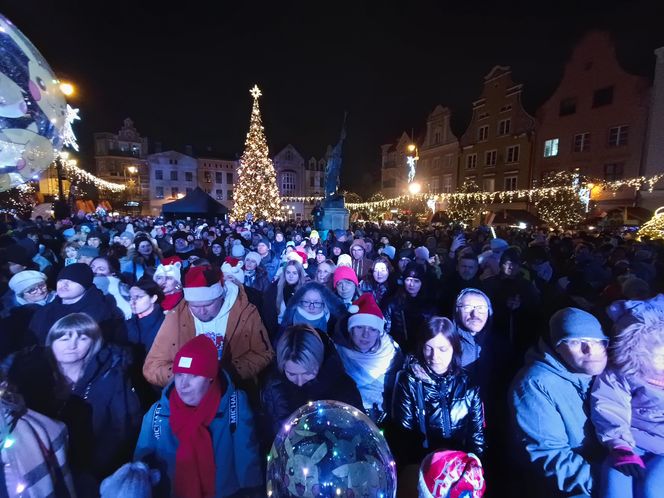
x,y
330,449
33,110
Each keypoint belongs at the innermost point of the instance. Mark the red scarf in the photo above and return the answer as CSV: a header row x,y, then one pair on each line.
x,y
195,469
171,300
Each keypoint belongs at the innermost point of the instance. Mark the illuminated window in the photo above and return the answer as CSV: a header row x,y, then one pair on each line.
x,y
287,182
551,147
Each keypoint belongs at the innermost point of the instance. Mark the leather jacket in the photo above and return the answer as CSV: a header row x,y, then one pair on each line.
x,y
445,409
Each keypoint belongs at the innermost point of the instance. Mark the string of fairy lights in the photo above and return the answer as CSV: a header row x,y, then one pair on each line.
x,y
501,196
81,175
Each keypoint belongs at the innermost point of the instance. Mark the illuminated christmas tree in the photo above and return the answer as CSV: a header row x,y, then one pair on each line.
x,y
256,192
561,206
466,209
654,227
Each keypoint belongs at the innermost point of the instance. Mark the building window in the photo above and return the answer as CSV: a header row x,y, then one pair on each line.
x,y
613,171
437,134
220,194
618,136
450,160
582,142
471,161
513,154
207,176
174,191
447,184
229,178
504,127
159,192
490,157
218,177
229,194
511,182
506,108
551,147
287,182
174,176
289,155
158,174
489,184
567,107
603,96
436,163
483,133
188,176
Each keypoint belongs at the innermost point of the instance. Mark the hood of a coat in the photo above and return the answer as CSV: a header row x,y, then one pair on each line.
x,y
544,357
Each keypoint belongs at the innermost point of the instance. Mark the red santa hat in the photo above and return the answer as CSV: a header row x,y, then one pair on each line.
x,y
365,311
203,283
233,266
298,256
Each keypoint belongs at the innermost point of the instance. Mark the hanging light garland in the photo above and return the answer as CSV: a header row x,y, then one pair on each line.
x,y
497,197
654,227
81,175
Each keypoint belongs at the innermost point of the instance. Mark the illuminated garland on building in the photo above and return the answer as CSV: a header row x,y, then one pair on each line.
x,y
80,175
654,227
256,191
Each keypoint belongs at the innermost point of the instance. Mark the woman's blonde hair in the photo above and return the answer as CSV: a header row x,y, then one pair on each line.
x,y
302,345
81,324
281,283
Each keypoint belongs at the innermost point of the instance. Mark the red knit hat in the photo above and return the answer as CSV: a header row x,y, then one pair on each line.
x,y
344,273
203,283
197,357
298,256
365,311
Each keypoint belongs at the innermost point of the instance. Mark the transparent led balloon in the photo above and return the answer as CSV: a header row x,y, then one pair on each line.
x,y
330,449
33,109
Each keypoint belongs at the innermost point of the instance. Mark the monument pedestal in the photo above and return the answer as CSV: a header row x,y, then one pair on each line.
x,y
335,218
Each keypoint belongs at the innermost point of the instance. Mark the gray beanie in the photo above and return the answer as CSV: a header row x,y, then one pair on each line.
x,y
237,251
255,256
573,323
132,480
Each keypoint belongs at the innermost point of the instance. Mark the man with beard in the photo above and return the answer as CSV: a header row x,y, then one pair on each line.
x,y
550,407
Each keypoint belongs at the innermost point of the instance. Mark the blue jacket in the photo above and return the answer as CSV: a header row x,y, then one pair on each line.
x,y
235,444
271,264
550,408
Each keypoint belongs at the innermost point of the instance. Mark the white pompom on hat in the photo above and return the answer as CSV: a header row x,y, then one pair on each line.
x,y
169,270
233,267
365,311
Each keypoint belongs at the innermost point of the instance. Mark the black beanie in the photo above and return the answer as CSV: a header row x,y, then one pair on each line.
x,y
77,272
414,270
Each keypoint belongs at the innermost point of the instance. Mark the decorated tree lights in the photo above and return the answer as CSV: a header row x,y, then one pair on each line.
x,y
654,227
564,207
466,208
256,192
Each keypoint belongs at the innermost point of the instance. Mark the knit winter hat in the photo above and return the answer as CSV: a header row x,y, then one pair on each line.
x,y
422,252
233,266
314,233
264,240
255,256
365,311
203,283
344,273
88,252
237,250
389,251
68,233
141,238
25,279
498,245
198,356
414,270
573,323
344,260
179,235
298,256
79,273
169,270
127,235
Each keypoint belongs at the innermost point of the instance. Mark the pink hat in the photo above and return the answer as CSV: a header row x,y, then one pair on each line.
x,y
365,311
344,273
203,283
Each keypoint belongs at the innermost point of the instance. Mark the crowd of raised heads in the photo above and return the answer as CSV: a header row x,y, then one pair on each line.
x,y
145,357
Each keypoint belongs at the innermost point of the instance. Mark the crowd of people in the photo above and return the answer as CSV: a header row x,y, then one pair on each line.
x,y
143,357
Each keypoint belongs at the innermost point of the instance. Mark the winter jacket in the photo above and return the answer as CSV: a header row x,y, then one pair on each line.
x,y
443,410
380,292
258,279
550,410
270,263
93,303
405,316
628,413
141,332
246,352
626,312
280,397
101,410
234,442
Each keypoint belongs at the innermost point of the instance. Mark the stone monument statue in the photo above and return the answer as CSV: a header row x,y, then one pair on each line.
x,y
335,216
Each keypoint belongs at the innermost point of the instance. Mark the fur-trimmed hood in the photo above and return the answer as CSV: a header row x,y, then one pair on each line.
x,y
626,312
631,350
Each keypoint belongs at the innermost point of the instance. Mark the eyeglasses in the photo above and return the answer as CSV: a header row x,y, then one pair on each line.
x,y
312,304
576,344
467,308
36,289
136,298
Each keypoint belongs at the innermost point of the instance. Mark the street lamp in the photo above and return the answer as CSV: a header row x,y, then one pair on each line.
x,y
414,188
67,88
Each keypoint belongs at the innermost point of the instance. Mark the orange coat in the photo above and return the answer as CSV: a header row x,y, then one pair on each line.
x,y
247,349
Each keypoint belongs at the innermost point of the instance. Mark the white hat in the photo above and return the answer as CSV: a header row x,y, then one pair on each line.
x,y
233,267
25,279
172,270
344,260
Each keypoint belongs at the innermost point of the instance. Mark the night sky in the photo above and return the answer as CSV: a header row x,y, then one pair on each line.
x,y
183,74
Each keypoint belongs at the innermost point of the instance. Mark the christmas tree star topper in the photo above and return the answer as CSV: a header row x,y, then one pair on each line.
x,y
255,92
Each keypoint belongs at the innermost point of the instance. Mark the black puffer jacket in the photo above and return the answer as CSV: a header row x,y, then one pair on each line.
x,y
447,407
405,316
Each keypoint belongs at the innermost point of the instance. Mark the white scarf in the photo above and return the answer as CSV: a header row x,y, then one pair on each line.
x,y
368,370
